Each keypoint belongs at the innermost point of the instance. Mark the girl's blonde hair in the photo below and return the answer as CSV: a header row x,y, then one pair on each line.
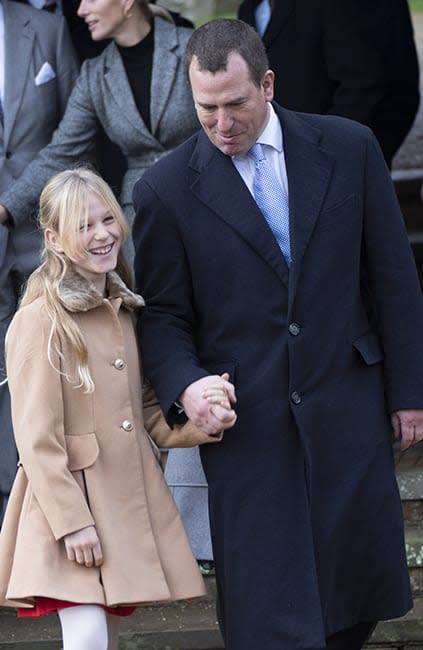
x,y
64,207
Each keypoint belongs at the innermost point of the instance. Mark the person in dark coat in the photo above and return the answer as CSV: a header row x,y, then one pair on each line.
x,y
351,58
322,342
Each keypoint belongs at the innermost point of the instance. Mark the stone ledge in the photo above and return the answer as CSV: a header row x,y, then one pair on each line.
x,y
405,632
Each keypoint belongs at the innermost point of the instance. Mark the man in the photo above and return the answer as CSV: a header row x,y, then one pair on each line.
x,y
318,319
351,58
38,69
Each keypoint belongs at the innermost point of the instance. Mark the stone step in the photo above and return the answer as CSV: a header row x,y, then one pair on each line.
x,y
400,634
184,625
409,472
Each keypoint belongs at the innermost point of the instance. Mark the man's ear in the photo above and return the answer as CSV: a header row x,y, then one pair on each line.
x,y
52,238
267,85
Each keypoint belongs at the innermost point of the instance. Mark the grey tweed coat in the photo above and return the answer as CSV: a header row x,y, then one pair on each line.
x,y
102,95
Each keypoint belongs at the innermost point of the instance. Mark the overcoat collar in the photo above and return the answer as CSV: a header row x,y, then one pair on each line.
x,y
280,16
78,294
308,170
165,64
19,42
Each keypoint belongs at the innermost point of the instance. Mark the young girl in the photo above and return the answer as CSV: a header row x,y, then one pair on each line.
x,y
91,529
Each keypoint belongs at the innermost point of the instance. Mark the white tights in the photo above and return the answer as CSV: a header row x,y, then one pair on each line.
x,y
88,627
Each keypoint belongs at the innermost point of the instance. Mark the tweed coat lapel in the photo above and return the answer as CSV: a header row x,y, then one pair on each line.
x,y
18,67
232,202
117,85
163,75
164,68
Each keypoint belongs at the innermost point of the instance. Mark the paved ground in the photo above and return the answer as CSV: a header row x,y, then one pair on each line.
x,y
410,155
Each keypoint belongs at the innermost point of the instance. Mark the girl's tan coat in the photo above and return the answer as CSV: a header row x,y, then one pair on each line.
x,y
86,459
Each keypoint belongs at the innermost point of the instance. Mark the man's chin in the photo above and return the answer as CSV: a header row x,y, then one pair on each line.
x,y
230,149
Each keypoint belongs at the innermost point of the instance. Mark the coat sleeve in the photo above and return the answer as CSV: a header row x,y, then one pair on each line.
x,y
393,285
38,424
72,141
355,56
181,435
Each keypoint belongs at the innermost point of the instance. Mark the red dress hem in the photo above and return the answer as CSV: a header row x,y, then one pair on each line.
x,y
43,606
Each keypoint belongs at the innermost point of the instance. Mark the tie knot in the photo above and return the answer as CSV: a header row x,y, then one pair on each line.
x,y
256,153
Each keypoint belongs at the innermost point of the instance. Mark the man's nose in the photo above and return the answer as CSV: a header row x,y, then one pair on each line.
x,y
224,121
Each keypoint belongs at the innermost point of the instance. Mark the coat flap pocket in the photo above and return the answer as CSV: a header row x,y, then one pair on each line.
x,y
369,347
82,450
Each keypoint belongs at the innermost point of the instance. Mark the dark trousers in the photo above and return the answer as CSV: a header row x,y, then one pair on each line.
x,y
353,638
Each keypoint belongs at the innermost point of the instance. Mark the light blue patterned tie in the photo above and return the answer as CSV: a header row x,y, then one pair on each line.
x,y
271,198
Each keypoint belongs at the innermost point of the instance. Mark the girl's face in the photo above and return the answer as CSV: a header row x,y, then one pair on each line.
x,y
105,18
101,239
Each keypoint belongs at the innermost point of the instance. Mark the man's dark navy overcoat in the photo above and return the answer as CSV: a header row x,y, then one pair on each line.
x,y
305,513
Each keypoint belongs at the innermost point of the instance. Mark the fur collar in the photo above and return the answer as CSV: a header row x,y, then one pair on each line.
x,y
78,294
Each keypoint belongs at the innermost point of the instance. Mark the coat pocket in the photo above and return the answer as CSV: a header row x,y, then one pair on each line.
x,y
369,347
82,451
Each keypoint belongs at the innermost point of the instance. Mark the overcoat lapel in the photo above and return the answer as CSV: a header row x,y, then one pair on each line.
x,y
309,170
17,30
278,20
164,68
232,202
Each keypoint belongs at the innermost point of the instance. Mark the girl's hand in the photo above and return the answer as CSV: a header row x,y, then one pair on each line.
x,y
219,400
84,547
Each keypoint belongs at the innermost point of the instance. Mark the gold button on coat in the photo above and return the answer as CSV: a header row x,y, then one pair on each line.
x,y
119,364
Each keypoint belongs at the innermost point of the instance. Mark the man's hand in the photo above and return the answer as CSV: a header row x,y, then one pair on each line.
x,y
207,402
84,547
4,215
408,426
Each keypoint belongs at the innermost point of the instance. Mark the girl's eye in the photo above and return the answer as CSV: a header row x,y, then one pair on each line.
x,y
109,219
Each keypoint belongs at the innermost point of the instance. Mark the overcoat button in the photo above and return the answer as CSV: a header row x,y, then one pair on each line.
x,y
119,364
296,397
127,425
294,329
8,154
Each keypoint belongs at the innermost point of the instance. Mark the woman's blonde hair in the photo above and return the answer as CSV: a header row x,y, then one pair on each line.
x,y
64,207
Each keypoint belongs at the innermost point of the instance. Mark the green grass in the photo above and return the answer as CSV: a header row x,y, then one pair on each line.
x,y
416,5
228,14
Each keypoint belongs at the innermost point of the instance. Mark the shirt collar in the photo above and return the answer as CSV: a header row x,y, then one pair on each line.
x,y
272,132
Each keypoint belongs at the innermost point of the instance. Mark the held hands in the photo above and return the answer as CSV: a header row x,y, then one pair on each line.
x,y
207,402
4,215
84,547
408,426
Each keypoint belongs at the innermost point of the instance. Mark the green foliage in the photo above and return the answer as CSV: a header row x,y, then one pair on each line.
x,y
228,14
416,5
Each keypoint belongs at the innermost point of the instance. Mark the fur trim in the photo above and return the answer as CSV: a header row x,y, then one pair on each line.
x,y
78,294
